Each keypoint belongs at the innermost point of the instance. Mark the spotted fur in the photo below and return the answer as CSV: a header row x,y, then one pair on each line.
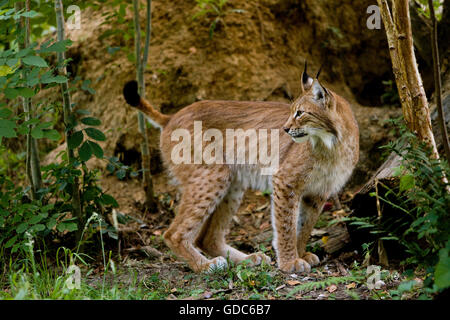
x,y
318,150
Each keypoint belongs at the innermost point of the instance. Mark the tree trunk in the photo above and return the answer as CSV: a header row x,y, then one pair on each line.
x,y
409,82
141,63
67,114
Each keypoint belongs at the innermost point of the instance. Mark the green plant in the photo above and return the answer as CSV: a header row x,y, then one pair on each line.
x,y
390,95
254,278
214,9
422,201
425,10
423,193
141,63
322,284
69,193
407,288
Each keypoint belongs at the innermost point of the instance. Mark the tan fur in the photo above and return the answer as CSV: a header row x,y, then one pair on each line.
x,y
309,173
155,116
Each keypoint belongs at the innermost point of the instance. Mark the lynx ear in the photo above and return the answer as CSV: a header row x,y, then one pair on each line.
x,y
307,81
320,94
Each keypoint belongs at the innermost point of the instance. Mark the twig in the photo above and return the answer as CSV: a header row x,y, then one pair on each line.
x,y
67,113
382,256
141,63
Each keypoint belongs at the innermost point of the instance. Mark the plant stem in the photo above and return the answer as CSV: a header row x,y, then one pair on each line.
x,y
141,64
438,82
67,114
33,166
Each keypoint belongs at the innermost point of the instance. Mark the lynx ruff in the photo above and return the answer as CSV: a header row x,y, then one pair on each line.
x,y
307,163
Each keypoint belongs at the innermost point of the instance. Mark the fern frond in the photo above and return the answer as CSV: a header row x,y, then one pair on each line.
x,y
310,286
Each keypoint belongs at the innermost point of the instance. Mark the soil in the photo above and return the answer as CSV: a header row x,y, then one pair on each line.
x,y
257,52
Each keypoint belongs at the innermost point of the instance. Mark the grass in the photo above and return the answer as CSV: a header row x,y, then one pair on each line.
x,y
77,276
28,279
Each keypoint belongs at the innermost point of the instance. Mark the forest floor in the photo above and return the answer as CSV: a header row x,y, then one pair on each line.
x,y
147,262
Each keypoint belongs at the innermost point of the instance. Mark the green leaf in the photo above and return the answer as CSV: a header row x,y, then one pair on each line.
x,y
406,286
31,122
61,227
11,93
5,113
110,167
26,92
7,132
5,70
83,111
37,133
52,135
29,14
75,139
44,125
95,134
22,227
35,219
120,174
96,149
442,271
85,152
57,79
59,46
4,123
38,227
85,86
12,62
112,50
24,52
69,226
33,77
109,200
406,182
35,61
60,79
49,78
10,242
51,223
90,121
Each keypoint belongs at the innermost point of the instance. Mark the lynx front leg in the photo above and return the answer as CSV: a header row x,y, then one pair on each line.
x,y
310,209
284,220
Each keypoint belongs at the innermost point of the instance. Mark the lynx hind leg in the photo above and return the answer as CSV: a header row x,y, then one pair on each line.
x,y
202,193
213,242
310,209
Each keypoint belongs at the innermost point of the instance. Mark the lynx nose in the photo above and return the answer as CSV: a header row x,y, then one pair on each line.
x,y
286,129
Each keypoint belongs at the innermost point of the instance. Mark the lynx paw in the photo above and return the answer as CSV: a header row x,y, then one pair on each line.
x,y
218,263
257,258
297,265
311,258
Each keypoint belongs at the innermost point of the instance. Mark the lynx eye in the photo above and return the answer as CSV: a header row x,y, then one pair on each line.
x,y
298,114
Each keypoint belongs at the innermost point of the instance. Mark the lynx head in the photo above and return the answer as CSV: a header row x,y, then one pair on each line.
x,y
313,114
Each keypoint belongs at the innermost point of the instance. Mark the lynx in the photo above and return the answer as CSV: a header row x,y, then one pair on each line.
x,y
318,149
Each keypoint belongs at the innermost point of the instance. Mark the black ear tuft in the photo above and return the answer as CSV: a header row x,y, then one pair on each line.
x,y
306,79
305,73
318,72
130,93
